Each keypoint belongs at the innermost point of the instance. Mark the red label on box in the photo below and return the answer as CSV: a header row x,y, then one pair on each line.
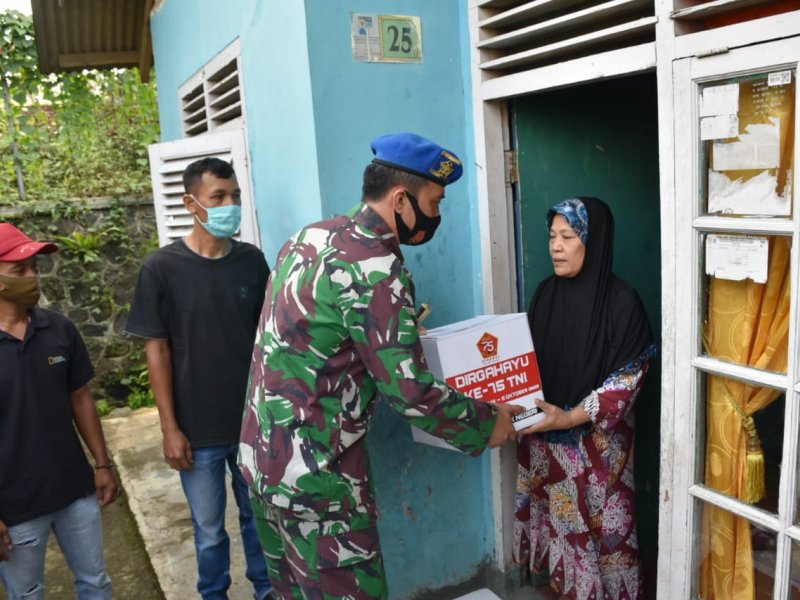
x,y
502,381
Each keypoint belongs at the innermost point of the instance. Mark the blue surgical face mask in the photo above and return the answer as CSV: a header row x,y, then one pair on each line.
x,y
222,221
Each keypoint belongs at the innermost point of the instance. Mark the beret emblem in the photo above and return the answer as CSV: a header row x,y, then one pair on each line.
x,y
447,163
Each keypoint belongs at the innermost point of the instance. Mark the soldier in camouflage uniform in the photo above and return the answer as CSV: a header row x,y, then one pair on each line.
x,y
338,328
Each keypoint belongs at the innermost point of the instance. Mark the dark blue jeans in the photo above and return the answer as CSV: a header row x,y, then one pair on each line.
x,y
204,486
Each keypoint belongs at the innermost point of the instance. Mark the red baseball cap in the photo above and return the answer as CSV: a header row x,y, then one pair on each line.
x,y
15,246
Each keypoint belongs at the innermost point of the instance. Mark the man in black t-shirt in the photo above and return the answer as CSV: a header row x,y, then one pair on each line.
x,y
45,480
197,304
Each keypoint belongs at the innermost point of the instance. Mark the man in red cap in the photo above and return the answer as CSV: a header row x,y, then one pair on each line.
x,y
46,481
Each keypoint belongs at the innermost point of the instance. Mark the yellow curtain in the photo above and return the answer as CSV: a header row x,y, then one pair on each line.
x,y
748,323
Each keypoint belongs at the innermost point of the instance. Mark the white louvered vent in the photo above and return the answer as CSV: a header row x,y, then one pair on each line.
x,y
167,163
517,36
212,98
691,16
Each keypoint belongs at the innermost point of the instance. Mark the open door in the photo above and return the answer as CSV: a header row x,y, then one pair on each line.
x,y
601,140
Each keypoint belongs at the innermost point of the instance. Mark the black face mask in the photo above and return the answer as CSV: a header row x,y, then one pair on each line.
x,y
423,230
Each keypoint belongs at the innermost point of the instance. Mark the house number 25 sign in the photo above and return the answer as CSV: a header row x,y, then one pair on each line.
x,y
386,38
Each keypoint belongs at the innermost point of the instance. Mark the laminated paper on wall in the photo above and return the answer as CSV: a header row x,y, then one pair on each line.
x,y
489,358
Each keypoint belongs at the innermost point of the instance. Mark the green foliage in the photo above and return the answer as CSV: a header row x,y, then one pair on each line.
x,y
85,245
80,134
137,380
103,408
74,136
18,50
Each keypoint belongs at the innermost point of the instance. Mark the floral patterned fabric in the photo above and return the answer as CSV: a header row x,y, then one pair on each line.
x,y
575,506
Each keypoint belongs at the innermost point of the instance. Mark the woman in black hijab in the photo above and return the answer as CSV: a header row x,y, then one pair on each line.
x,y
575,494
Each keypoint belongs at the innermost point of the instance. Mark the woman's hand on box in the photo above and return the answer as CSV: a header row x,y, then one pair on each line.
x,y
556,419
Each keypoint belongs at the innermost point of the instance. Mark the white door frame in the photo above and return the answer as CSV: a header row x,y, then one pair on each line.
x,y
498,262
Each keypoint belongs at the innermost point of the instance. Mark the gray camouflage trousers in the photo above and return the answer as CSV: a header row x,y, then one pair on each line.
x,y
321,556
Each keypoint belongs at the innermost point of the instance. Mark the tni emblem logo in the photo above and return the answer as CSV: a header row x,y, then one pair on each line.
x,y
488,345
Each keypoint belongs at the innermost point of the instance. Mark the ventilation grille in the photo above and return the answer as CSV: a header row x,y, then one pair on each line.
x,y
691,16
168,160
213,96
195,115
517,36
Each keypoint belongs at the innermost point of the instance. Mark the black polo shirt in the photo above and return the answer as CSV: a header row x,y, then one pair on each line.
x,y
42,464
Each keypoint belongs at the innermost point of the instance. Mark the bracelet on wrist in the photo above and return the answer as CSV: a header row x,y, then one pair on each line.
x,y
108,466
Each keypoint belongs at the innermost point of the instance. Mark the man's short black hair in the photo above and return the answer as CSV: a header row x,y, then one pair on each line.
x,y
194,172
379,179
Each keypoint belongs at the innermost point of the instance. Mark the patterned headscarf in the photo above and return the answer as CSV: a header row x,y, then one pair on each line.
x,y
574,211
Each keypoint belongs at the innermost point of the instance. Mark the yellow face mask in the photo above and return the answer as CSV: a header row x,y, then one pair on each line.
x,y
23,291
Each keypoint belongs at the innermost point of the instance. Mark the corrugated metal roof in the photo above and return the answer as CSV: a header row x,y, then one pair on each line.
x,y
85,34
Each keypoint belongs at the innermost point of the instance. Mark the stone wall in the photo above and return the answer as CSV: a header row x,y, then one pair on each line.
x,y
102,243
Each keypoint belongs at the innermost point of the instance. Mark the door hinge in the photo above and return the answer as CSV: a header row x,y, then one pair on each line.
x,y
511,167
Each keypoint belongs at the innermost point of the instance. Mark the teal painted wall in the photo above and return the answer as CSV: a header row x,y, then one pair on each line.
x,y
278,106
354,102
311,113
602,140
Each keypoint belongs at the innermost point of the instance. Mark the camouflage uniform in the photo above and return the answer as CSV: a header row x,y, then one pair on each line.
x,y
338,327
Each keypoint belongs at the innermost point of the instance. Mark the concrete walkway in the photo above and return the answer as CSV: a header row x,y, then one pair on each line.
x,y
156,499
157,502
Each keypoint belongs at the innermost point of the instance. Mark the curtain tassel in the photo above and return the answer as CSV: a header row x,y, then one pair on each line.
x,y
754,488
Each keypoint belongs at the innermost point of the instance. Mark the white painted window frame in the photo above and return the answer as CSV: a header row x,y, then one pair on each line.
x,y
690,363
231,52
167,162
228,140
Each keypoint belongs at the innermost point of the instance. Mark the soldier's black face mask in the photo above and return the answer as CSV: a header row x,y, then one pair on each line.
x,y
423,229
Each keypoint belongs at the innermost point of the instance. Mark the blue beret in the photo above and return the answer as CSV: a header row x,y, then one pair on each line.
x,y
418,155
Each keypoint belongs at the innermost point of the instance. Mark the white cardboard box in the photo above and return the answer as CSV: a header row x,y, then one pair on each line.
x,y
490,358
